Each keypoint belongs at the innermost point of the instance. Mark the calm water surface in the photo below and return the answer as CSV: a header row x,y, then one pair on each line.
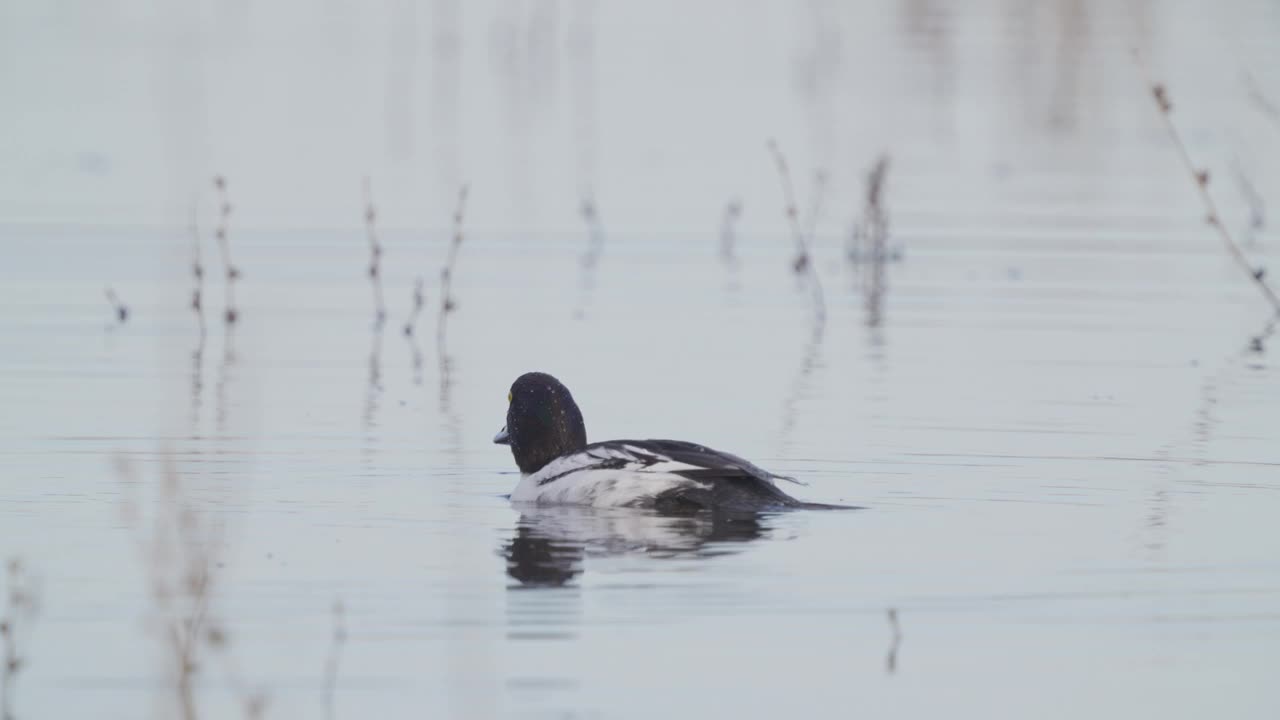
x,y
1065,432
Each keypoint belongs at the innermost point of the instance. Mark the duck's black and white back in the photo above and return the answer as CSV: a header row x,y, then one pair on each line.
x,y
549,443
663,474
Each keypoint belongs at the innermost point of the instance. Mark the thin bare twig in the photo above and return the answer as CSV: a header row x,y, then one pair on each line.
x,y
447,303
375,255
121,310
1200,178
419,301
803,263
21,606
197,272
728,231
595,232
415,351
224,245
590,259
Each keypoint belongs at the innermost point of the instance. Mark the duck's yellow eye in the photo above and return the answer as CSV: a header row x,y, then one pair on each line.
x,y
508,397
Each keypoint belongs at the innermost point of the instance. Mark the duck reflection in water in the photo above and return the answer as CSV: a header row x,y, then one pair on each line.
x,y
552,543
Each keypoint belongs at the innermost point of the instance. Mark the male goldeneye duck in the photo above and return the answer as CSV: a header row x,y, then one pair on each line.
x,y
549,442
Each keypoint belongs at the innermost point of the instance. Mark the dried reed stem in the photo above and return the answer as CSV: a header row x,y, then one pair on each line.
x,y
802,263
1200,178
447,303
375,255
21,606
224,245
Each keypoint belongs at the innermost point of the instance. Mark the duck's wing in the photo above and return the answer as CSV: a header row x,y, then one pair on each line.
x,y
700,461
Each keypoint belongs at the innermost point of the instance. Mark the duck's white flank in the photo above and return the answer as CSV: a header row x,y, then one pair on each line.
x,y
612,476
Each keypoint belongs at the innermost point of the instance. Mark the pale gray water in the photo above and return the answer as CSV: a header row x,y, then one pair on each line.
x,y
1068,452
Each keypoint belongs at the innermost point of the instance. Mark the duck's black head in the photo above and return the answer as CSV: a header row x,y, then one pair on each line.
x,y
543,422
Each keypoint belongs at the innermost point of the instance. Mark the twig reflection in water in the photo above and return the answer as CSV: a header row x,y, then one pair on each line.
x,y
21,604
803,263
810,361
551,543
895,642
197,382
1233,372
804,266
452,422
868,246
224,374
182,553
373,387
335,656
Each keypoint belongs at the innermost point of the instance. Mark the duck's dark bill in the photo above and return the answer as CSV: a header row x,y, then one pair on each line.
x,y
502,438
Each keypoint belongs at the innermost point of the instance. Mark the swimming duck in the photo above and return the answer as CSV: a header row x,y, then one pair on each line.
x,y
549,442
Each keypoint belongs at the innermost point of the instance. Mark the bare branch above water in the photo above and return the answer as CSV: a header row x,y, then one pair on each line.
x,y
802,263
119,309
447,302
197,272
21,605
728,232
231,314
1200,179
375,255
